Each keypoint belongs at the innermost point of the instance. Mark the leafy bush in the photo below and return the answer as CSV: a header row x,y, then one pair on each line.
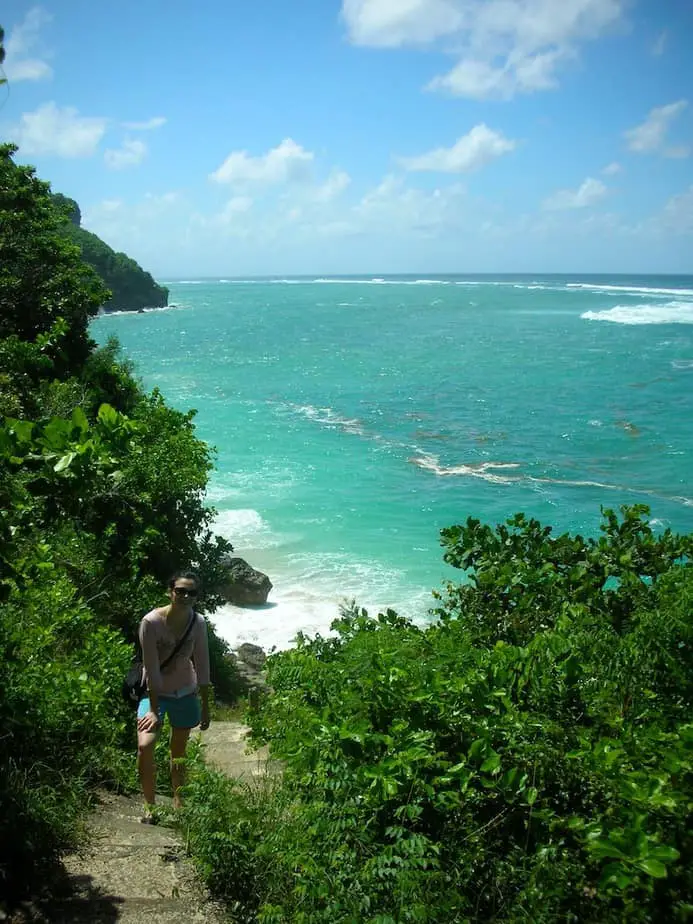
x,y
101,497
63,728
42,275
527,757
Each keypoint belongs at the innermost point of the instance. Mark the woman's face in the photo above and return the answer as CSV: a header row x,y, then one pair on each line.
x,y
183,593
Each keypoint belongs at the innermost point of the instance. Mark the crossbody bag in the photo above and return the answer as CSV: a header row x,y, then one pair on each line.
x,y
134,685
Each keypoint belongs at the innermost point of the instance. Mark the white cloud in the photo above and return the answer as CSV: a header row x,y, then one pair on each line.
x,y
650,137
121,223
146,126
21,42
475,149
389,23
238,205
612,169
677,214
60,132
166,198
131,152
399,209
481,80
504,47
286,163
660,43
589,193
337,182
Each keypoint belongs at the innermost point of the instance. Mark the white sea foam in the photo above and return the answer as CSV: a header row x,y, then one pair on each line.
x,y
380,281
306,596
133,311
246,529
218,493
484,470
636,290
673,312
327,417
682,363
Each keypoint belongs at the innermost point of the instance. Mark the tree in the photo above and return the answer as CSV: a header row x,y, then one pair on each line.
x,y
42,275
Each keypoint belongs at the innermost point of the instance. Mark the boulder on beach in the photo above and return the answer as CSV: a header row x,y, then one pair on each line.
x,y
243,584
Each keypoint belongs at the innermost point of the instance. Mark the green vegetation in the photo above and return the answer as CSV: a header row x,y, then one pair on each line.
x,y
528,757
101,497
130,286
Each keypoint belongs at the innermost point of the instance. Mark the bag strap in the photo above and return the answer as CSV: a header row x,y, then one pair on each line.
x,y
179,644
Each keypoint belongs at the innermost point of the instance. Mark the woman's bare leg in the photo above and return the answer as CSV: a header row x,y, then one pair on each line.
x,y
146,765
179,741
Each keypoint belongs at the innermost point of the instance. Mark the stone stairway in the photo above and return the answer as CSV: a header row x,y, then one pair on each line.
x,y
128,872
133,873
226,749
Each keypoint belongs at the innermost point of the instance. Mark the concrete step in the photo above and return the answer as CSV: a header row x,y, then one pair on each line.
x,y
140,872
226,748
132,873
149,911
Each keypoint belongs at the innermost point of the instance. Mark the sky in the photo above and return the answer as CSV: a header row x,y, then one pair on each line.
x,y
234,138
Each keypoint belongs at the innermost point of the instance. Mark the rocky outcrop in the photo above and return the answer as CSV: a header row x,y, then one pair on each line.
x,y
252,656
244,585
249,661
132,289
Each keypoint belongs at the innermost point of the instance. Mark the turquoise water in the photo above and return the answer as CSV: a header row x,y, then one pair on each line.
x,y
355,418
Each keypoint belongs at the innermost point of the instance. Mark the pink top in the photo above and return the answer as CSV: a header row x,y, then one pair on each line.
x,y
188,669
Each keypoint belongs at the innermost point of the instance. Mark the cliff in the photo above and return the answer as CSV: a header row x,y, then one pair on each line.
x,y
132,287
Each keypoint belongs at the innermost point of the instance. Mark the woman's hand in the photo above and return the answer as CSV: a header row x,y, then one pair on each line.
x,y
204,721
148,722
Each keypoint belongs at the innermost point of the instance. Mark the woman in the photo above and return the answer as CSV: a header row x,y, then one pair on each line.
x,y
172,691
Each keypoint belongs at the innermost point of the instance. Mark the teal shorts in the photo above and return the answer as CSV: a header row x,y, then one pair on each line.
x,y
182,712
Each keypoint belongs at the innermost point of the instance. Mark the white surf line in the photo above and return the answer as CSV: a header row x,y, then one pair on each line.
x,y
484,471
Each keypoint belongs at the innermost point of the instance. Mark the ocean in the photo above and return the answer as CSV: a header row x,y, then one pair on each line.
x,y
354,418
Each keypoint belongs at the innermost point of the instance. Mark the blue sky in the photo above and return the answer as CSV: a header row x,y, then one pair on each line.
x,y
364,136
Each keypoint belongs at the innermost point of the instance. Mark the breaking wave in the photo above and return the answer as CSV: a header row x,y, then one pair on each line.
x,y
635,290
673,312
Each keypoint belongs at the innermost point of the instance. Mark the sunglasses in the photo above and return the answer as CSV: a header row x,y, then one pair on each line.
x,y
184,592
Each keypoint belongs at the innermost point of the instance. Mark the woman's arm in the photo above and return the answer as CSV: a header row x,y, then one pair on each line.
x,y
201,662
150,656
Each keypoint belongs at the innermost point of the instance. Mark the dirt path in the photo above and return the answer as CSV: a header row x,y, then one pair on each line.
x,y
138,874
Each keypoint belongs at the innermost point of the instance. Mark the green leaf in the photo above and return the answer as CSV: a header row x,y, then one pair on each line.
x,y
665,854
492,763
653,868
64,463
615,874
606,848
108,415
79,419
532,794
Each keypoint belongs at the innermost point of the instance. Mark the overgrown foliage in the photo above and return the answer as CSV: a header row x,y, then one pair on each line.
x,y
527,757
101,497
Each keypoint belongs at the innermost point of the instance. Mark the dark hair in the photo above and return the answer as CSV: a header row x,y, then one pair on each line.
x,y
187,576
